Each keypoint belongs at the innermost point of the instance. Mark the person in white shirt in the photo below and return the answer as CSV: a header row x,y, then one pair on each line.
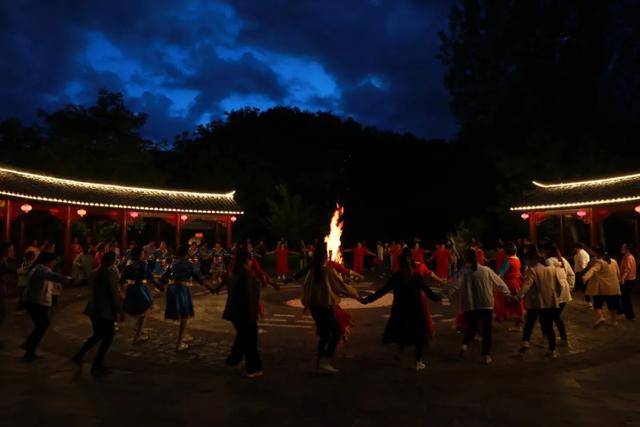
x,y
567,280
581,261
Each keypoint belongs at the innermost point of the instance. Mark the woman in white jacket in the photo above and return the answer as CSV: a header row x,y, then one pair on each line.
x,y
477,285
540,292
567,279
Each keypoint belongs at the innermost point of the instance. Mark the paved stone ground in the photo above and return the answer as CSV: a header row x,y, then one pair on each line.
x,y
593,383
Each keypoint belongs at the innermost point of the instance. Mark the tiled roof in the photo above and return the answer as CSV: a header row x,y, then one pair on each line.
x,y
27,185
606,191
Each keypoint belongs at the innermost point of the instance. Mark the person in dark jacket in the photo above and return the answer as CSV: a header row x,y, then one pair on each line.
x,y
38,299
7,272
104,309
242,311
407,325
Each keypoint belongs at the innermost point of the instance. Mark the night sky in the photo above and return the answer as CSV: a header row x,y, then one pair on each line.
x,y
186,62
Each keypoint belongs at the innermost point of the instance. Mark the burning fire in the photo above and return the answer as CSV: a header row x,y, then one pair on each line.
x,y
335,233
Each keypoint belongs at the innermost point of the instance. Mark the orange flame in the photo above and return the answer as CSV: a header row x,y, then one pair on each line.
x,y
335,233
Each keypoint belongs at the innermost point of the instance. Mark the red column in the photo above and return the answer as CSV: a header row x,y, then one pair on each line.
x,y
67,240
593,228
533,228
229,232
125,231
7,220
178,229
562,233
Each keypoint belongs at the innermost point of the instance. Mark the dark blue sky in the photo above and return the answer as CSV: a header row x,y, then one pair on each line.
x,y
186,62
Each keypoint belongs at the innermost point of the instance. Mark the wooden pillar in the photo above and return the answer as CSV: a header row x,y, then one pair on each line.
x,y
21,245
229,232
178,229
561,242
125,231
593,228
533,228
67,240
7,220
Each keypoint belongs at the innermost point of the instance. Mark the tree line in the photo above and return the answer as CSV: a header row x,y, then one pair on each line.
x,y
541,90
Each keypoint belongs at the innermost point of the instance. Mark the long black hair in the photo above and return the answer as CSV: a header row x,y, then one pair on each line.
x,y
242,256
405,263
532,255
43,258
318,260
554,252
602,253
471,256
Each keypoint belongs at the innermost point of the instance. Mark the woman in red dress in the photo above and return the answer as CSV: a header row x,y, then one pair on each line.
x,y
418,253
510,308
359,253
394,252
282,260
500,256
441,255
424,271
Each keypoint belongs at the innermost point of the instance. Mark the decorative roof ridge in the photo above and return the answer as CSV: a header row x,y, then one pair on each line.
x,y
602,181
117,187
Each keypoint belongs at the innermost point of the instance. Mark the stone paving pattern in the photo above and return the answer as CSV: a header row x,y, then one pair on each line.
x,y
594,382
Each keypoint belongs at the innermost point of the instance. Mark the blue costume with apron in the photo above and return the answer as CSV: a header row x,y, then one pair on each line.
x,y
138,298
179,303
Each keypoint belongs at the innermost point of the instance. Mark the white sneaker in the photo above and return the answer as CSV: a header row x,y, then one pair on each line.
x,y
420,365
599,322
553,354
256,374
182,346
326,366
486,360
463,350
141,338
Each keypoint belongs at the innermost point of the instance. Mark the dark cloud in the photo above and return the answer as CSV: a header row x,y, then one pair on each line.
x,y
182,61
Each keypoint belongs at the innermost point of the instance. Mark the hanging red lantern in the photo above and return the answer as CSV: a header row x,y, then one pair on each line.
x,y
133,215
524,216
233,218
581,213
26,208
184,217
637,209
81,212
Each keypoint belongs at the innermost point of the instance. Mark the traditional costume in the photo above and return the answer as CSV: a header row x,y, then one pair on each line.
x,y
136,277
509,308
180,275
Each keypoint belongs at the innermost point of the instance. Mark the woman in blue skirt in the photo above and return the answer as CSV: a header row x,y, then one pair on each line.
x,y
136,277
180,275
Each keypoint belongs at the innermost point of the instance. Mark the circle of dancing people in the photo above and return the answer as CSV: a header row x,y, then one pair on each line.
x,y
529,284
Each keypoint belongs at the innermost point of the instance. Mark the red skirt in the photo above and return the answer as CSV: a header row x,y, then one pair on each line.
x,y
345,322
431,328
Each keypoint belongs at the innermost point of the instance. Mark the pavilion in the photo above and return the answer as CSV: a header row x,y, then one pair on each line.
x,y
70,200
588,203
